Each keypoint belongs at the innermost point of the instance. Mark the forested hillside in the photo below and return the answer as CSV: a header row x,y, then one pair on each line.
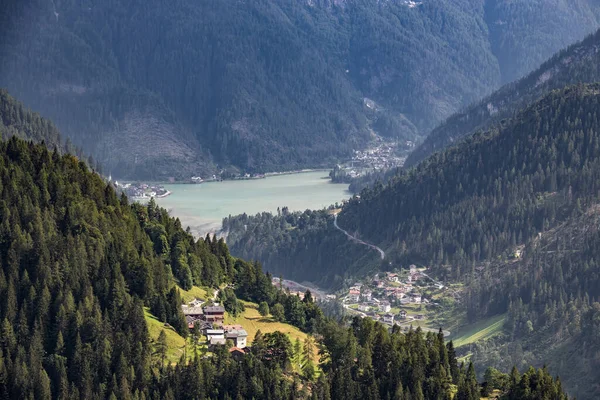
x,y
79,264
550,297
534,181
580,63
154,89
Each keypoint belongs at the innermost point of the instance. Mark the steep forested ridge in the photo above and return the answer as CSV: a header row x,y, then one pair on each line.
x,y
154,90
580,63
78,264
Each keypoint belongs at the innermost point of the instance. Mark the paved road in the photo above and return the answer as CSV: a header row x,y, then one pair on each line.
x,y
357,240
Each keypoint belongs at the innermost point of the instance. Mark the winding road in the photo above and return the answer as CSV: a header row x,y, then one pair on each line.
x,y
357,240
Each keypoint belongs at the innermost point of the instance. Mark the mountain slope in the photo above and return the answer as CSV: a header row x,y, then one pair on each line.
x,y
78,265
578,63
155,90
550,296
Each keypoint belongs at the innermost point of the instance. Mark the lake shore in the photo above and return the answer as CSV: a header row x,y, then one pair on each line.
x,y
202,207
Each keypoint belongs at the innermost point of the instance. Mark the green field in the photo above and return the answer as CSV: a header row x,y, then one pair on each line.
x,y
483,329
175,342
252,321
195,293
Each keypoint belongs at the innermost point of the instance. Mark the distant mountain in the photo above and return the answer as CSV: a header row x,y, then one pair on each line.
x,y
578,63
155,89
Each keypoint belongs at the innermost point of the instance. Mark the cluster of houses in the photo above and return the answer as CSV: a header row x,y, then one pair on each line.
x,y
142,191
393,288
209,320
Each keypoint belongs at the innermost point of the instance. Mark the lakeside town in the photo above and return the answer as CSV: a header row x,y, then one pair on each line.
x,y
142,191
381,155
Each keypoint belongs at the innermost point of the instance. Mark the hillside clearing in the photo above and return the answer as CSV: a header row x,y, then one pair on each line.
x,y
195,293
252,321
175,343
483,329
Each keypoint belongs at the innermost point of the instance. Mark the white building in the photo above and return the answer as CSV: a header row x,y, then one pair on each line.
x,y
238,336
385,306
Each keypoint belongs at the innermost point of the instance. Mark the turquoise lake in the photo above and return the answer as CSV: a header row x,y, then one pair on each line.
x,y
202,207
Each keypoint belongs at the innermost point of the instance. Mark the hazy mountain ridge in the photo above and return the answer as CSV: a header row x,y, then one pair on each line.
x,y
578,63
265,85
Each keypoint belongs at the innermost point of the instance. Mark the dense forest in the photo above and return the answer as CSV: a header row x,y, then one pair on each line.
x,y
579,63
154,90
549,296
297,245
79,264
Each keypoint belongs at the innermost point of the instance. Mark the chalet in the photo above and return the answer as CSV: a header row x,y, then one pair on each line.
x,y
413,269
363,307
402,314
217,333
392,277
416,298
214,314
385,306
420,316
215,337
202,325
388,318
195,312
238,336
